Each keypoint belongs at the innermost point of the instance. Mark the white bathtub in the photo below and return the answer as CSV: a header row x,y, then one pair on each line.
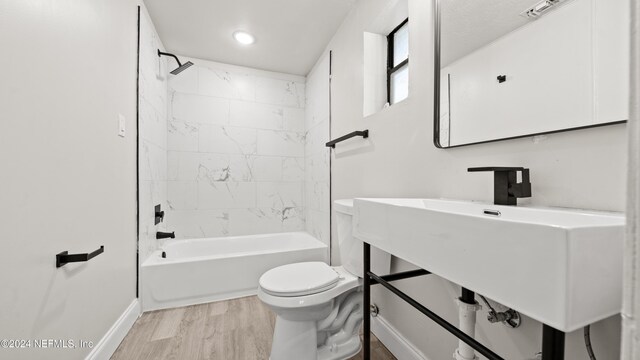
x,y
197,271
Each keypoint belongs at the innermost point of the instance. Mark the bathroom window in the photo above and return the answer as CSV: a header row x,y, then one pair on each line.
x,y
398,63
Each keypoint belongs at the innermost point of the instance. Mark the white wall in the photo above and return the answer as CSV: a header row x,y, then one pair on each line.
x,y
583,169
374,70
235,151
68,180
631,305
153,79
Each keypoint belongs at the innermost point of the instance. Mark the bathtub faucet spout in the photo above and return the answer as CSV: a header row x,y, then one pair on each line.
x,y
165,235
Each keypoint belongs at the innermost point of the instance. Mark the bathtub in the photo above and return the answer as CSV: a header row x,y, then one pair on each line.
x,y
197,271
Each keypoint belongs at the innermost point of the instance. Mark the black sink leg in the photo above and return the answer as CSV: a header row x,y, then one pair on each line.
x,y
552,343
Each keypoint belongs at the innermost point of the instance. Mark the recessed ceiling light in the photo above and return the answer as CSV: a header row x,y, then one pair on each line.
x,y
244,38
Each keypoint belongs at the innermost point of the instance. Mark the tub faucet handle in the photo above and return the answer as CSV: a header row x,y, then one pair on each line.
x,y
159,215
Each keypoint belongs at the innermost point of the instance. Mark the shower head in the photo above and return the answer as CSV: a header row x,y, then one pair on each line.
x,y
181,67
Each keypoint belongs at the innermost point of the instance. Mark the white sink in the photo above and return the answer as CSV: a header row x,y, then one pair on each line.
x,y
562,267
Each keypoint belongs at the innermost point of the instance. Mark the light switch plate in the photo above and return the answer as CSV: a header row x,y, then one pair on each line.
x,y
121,125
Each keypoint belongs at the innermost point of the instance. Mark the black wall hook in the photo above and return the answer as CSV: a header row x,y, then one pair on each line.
x,y
502,78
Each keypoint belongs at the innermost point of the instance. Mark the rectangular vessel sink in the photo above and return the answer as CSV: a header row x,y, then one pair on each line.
x,y
562,267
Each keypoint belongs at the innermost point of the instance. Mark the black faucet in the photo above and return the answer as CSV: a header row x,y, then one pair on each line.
x,y
165,235
506,189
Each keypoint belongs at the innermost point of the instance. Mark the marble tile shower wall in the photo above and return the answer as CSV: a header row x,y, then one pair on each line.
x,y
317,182
152,114
236,146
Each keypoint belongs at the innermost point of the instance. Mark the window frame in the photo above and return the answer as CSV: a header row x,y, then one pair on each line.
x,y
390,50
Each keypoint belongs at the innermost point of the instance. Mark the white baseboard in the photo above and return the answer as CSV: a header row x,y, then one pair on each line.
x,y
400,347
110,341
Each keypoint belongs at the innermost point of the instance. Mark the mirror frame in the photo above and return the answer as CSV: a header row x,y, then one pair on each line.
x,y
436,92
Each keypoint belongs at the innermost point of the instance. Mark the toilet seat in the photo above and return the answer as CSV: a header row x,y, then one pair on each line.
x,y
346,282
299,279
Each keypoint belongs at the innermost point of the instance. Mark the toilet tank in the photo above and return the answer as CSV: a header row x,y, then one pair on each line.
x,y
351,249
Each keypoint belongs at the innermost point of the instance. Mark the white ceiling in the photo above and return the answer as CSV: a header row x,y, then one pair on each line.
x,y
469,25
290,34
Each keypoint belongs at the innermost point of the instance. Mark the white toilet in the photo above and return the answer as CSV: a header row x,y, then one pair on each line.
x,y
318,307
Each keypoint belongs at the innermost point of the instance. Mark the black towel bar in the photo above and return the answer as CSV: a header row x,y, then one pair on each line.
x,y
64,257
364,134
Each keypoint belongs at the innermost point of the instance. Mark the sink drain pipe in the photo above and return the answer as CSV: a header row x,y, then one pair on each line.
x,y
467,309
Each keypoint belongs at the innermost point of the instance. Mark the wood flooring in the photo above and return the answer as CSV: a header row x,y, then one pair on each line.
x,y
239,329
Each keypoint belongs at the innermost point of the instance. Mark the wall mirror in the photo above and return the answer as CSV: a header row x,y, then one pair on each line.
x,y
513,68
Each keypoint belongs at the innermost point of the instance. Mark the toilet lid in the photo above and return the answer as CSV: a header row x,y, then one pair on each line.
x,y
299,279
